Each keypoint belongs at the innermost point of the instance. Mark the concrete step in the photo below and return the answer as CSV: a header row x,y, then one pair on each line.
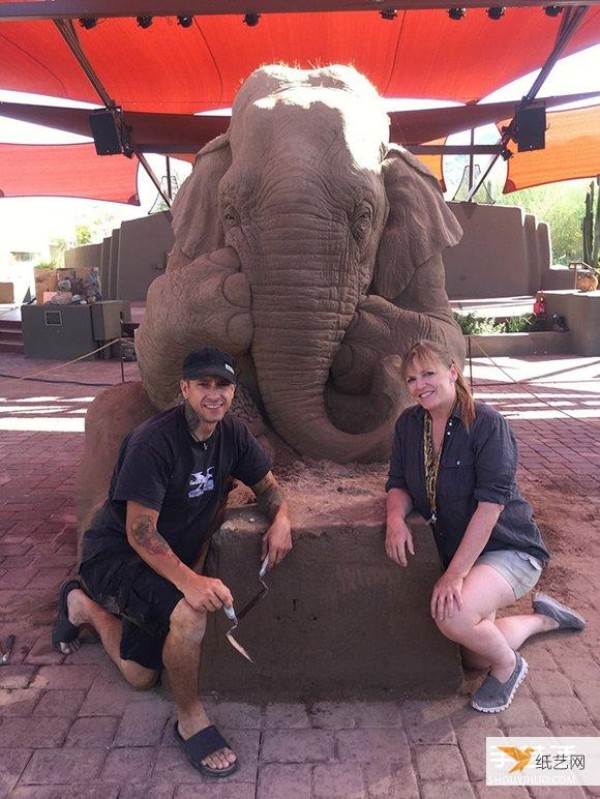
x,y
12,346
10,324
11,336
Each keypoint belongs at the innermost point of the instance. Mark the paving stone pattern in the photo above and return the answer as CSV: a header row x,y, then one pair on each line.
x,y
70,727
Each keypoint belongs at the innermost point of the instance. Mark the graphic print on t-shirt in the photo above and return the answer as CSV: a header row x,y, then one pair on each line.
x,y
201,482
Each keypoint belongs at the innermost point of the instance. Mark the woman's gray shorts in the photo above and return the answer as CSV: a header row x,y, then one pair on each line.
x,y
520,570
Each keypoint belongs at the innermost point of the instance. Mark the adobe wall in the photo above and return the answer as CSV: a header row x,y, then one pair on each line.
x,y
130,259
582,313
84,257
143,249
504,252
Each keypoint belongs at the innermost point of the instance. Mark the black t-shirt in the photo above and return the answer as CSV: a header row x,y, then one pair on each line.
x,y
162,467
476,465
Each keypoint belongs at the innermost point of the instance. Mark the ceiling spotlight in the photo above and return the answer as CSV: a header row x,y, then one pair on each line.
x,y
144,22
90,22
552,11
185,22
496,12
251,20
389,13
457,13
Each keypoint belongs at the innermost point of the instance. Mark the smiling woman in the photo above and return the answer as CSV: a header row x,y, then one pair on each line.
x,y
433,388
454,461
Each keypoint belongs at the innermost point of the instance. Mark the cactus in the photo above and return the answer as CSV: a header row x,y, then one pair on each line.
x,y
590,225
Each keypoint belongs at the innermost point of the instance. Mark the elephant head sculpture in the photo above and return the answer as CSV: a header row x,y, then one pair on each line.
x,y
310,248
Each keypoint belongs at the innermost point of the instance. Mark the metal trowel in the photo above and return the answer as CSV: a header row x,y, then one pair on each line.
x,y
236,618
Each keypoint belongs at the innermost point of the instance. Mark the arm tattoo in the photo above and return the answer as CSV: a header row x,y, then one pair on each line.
x,y
270,501
147,536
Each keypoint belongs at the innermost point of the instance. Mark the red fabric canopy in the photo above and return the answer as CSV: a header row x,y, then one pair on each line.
x,y
572,151
170,69
167,69
66,170
172,133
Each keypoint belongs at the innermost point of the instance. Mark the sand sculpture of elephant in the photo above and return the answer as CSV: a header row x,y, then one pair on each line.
x,y
309,247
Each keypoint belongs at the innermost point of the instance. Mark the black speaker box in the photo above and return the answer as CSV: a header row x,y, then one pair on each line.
x,y
530,124
106,132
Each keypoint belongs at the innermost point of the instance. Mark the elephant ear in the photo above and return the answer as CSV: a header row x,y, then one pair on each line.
x,y
419,223
196,221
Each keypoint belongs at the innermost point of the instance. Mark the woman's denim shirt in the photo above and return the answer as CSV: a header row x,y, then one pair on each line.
x,y
477,465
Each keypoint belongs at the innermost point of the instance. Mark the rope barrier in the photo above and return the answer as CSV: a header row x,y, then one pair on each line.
x,y
524,384
61,365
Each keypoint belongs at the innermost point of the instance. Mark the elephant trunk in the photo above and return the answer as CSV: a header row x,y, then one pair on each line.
x,y
297,332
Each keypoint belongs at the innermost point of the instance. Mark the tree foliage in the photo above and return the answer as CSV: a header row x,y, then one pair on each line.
x,y
590,226
83,235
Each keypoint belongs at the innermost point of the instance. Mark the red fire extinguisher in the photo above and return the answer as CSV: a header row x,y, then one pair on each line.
x,y
539,306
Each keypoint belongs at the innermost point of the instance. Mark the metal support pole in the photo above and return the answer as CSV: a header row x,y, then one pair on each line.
x,y
472,160
169,185
121,348
142,159
470,355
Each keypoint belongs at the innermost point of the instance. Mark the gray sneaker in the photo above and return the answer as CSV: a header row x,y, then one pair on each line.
x,y
567,619
492,696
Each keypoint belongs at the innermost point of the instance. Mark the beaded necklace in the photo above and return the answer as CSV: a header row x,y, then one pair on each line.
x,y
432,461
432,466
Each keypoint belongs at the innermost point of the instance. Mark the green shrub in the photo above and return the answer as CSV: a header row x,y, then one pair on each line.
x,y
472,325
519,324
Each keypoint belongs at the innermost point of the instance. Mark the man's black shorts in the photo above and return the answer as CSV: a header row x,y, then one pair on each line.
x,y
129,588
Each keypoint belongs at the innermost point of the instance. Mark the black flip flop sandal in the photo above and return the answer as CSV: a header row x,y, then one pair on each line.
x,y
64,631
201,745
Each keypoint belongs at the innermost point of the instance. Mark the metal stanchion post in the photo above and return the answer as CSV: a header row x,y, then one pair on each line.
x,y
470,362
121,348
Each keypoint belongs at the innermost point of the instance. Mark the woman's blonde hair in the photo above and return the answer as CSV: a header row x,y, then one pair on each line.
x,y
431,353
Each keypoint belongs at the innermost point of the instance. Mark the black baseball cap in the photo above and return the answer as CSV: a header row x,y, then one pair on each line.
x,y
209,362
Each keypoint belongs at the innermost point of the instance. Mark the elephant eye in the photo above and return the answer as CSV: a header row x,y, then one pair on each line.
x,y
362,221
231,216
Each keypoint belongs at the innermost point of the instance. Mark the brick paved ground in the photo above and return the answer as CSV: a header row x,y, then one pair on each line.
x,y
73,729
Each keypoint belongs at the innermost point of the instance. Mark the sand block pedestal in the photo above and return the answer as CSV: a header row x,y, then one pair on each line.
x,y
340,619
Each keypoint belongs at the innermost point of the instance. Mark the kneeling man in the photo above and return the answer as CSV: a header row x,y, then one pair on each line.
x,y
138,589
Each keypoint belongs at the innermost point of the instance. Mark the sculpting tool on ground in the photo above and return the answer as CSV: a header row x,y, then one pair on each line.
x,y
6,653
